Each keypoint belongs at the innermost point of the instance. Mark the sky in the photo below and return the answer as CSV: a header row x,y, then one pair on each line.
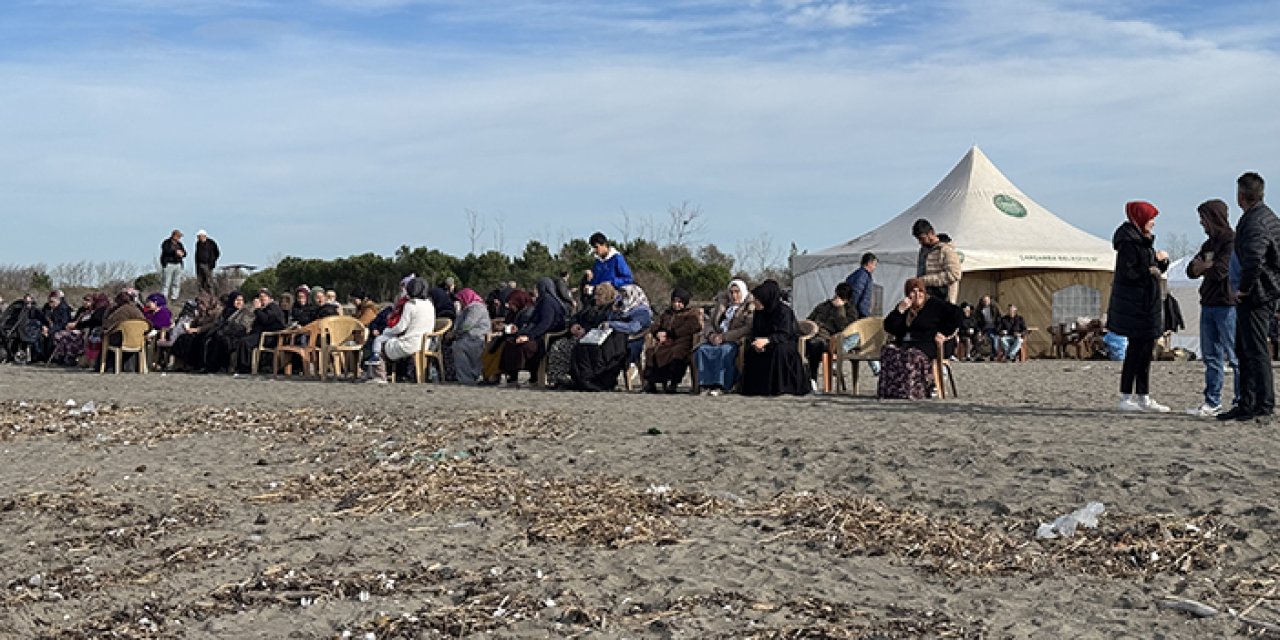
x,y
325,128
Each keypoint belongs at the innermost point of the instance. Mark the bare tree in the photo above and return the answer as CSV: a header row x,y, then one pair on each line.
x,y
684,224
500,233
1178,245
759,256
475,227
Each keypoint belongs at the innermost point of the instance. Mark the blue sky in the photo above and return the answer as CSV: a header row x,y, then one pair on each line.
x,y
331,127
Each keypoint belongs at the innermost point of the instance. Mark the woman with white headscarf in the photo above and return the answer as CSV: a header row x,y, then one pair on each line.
x,y
717,357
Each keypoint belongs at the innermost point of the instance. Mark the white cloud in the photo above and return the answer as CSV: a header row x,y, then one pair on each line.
x,y
322,147
834,15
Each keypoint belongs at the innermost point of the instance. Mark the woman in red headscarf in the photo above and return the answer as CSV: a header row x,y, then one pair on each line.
x,y
1136,304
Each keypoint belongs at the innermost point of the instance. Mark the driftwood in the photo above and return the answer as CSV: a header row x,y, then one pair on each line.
x,y
1197,609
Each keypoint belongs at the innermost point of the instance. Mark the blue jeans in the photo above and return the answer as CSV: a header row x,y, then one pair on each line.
x,y
171,282
1009,346
851,343
1217,341
717,365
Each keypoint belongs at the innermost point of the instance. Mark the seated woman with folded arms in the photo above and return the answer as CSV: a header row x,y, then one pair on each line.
x,y
673,335
717,356
919,324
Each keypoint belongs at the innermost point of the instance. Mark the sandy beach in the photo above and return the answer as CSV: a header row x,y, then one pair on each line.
x,y
187,506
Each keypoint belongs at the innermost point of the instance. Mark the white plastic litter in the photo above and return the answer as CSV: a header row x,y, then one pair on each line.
x,y
1065,526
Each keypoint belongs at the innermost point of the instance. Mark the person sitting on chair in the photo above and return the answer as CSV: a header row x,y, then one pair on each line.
x,y
968,335
771,363
831,316
920,324
1010,333
590,317
403,338
673,336
717,356
525,350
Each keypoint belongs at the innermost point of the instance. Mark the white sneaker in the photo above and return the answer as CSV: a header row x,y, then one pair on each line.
x,y
1206,410
1127,403
1145,403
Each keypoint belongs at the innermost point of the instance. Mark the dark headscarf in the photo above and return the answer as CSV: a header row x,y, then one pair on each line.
x,y
229,304
418,289
769,294
1213,213
912,284
123,298
681,294
100,301
547,289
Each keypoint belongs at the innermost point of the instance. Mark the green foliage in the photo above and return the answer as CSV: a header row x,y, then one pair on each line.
x,y
147,282
264,279
40,281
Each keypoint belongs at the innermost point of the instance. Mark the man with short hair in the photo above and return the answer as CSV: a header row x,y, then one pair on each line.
x,y
938,264
207,255
267,316
172,253
1217,305
609,266
831,316
1257,246
1010,332
862,285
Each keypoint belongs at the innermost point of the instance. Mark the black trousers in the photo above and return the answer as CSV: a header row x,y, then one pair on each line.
x,y
204,276
1135,374
1257,389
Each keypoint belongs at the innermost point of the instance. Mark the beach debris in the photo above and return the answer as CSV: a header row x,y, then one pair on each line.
x,y
1065,525
653,431
1193,607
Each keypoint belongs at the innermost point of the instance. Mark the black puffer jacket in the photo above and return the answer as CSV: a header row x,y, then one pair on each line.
x,y
1258,248
1135,307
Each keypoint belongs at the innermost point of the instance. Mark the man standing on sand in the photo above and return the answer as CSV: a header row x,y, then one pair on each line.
x,y
862,286
172,253
938,264
1217,305
1257,246
207,255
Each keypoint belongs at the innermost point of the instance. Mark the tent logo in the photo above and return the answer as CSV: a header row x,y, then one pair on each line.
x,y
1009,206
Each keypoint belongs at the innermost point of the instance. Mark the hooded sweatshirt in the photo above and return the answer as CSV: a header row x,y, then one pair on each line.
x,y
612,268
1214,257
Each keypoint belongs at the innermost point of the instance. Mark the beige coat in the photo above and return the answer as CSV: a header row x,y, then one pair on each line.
x,y
942,268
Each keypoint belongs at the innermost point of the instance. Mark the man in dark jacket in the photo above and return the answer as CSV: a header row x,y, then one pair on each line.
x,y
862,286
831,316
1257,246
172,253
1010,331
1217,305
207,255
267,316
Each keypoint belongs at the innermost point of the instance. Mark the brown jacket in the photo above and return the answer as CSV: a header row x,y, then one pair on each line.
x,y
939,267
682,328
120,314
739,326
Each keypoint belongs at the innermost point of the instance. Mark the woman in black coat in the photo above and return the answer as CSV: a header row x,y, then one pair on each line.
x,y
771,364
1134,310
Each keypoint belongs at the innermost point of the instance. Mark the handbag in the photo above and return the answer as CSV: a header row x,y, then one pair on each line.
x,y
596,336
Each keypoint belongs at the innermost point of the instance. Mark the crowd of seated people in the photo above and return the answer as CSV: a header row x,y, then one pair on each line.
x,y
748,341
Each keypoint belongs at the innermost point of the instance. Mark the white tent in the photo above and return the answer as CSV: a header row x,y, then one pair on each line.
x,y
1187,292
1011,248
